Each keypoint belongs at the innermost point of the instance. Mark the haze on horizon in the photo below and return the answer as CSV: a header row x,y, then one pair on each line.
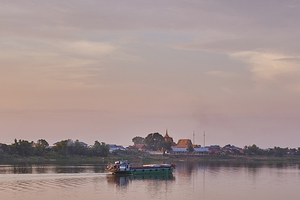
x,y
113,70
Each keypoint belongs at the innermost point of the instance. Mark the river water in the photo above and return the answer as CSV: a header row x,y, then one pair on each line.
x,y
190,180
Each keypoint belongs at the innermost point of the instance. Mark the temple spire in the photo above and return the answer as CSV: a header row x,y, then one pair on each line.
x,y
167,134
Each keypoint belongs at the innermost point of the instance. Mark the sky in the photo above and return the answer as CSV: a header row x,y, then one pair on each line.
x,y
112,70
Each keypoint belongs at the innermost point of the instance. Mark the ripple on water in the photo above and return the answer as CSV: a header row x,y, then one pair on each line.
x,y
40,182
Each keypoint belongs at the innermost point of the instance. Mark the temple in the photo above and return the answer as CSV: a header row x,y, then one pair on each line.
x,y
169,139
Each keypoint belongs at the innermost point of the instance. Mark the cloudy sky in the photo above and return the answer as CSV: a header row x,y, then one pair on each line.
x,y
112,70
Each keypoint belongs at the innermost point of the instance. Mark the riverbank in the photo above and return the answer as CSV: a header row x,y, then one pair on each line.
x,y
148,159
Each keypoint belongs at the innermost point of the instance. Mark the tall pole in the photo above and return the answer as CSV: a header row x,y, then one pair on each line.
x,y
193,137
204,139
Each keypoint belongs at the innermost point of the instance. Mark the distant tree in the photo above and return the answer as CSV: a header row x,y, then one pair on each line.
x,y
138,140
100,149
61,147
23,147
280,151
293,151
40,147
190,149
152,141
76,148
164,146
42,143
254,150
7,149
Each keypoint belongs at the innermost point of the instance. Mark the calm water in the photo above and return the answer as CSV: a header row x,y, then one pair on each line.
x,y
189,181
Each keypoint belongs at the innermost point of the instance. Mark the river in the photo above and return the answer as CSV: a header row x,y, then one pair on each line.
x,y
190,180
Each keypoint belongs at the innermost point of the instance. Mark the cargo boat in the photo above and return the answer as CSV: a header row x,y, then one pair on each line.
x,y
123,167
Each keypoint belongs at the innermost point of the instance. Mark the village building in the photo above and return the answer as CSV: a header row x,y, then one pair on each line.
x,y
232,149
214,149
138,147
114,147
202,150
178,150
184,143
169,139
70,143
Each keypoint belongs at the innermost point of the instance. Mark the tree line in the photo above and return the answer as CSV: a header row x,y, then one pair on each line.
x,y
153,142
276,151
69,147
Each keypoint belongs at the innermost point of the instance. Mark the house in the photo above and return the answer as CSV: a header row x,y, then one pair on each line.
x,y
132,148
178,150
138,147
141,147
184,143
232,149
71,143
114,147
84,144
202,150
214,149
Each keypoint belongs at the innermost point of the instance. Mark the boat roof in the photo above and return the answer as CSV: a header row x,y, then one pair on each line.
x,y
179,149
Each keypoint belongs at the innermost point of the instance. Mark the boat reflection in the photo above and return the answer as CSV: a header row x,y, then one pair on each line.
x,y
124,180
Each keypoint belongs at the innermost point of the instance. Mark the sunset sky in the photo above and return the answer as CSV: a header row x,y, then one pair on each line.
x,y
112,70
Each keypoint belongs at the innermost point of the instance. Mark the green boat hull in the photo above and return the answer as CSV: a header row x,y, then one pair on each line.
x,y
146,171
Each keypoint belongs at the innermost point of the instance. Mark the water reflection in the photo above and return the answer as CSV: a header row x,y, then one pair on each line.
x,y
47,169
21,169
70,169
41,169
124,180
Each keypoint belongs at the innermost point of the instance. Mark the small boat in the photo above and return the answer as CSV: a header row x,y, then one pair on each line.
x,y
123,167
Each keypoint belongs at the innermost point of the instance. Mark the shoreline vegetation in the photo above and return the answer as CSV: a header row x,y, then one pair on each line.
x,y
152,149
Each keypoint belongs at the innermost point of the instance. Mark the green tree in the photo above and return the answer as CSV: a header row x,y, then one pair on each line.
x,y
164,146
152,141
100,149
254,150
40,147
23,147
61,147
280,151
7,149
138,140
76,148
